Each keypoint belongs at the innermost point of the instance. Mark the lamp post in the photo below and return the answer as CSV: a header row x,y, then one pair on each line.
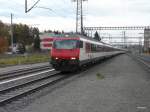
x,y
11,33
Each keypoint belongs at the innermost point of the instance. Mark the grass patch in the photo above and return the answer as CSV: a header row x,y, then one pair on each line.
x,y
100,76
29,59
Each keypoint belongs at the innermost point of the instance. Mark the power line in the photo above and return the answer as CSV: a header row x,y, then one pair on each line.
x,y
44,8
26,6
54,12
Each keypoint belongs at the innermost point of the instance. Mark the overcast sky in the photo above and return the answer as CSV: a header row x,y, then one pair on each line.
x,y
96,13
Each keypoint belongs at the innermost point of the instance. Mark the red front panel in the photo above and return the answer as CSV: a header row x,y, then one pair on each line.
x,y
65,54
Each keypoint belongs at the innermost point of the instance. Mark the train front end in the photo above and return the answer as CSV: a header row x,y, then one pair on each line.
x,y
65,54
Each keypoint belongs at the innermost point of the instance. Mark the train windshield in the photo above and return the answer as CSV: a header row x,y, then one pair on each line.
x,y
65,44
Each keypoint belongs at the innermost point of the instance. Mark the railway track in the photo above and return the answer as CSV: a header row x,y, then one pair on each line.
x,y
21,72
25,85
141,60
20,83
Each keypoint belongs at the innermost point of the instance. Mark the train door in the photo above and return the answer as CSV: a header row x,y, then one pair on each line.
x,y
88,50
82,51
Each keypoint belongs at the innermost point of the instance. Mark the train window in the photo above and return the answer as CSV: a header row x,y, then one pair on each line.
x,y
93,47
100,48
88,47
105,49
80,44
65,44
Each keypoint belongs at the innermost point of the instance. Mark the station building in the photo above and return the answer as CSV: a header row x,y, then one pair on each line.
x,y
46,41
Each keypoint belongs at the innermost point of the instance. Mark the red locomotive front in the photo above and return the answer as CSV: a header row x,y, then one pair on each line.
x,y
65,54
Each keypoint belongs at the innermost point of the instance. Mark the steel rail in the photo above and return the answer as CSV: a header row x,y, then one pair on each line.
x,y
23,90
20,72
142,61
18,81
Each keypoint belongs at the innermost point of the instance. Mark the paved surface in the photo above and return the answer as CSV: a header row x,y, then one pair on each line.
x,y
125,88
10,68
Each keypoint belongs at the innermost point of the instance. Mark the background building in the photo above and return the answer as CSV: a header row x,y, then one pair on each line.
x,y
46,41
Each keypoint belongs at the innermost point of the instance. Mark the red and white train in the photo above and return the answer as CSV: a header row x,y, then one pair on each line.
x,y
70,53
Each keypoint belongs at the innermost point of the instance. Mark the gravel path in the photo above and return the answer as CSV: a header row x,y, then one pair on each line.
x,y
124,88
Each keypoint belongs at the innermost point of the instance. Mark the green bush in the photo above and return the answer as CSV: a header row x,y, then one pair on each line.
x,y
100,76
24,59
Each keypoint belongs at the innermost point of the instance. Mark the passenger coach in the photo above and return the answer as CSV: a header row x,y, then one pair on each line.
x,y
70,53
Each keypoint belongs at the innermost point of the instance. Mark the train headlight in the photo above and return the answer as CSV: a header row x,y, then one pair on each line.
x,y
73,58
56,58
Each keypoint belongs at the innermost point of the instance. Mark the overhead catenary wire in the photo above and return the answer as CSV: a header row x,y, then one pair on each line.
x,y
26,8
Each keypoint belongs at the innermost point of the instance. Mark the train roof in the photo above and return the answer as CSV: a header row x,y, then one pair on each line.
x,y
91,40
86,39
